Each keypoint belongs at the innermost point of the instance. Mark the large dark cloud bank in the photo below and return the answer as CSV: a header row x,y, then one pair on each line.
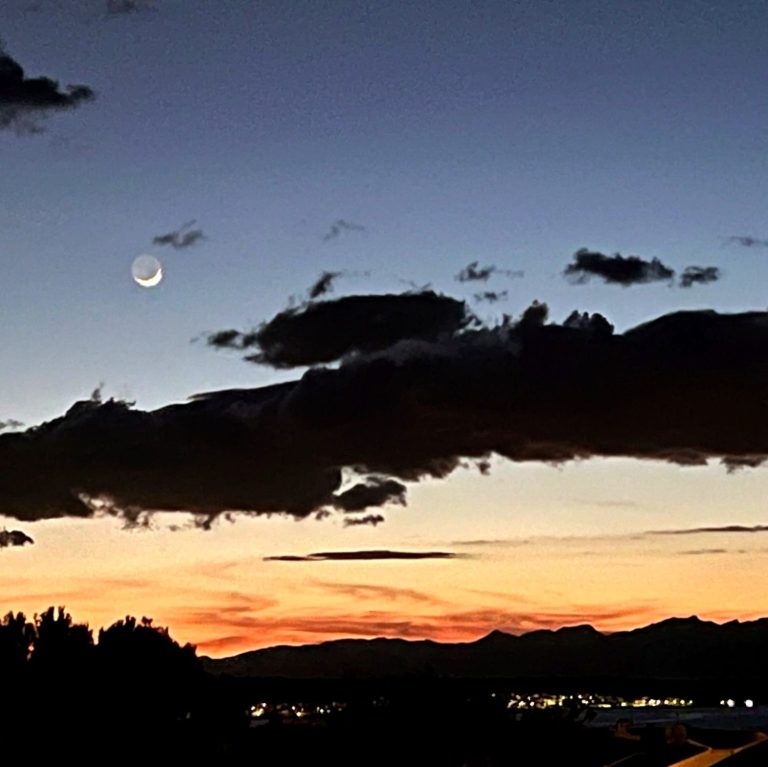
x,y
414,397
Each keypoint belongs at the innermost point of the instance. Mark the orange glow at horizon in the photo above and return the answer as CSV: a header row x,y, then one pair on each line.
x,y
525,559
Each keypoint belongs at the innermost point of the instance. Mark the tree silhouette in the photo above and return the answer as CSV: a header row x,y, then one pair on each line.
x,y
157,679
136,686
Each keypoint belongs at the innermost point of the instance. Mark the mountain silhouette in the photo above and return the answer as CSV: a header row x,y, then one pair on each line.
x,y
677,648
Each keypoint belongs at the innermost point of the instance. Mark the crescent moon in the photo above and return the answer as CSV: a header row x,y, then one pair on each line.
x,y
146,271
150,282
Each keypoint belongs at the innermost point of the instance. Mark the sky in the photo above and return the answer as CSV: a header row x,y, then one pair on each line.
x,y
253,147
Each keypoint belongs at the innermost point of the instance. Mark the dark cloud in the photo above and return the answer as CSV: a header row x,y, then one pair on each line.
x,y
747,241
616,269
475,273
714,529
128,7
326,556
183,237
376,491
323,284
686,387
12,424
699,275
340,226
13,538
24,100
491,296
326,331
371,520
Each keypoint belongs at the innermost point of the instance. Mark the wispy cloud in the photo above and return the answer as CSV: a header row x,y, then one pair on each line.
x,y
183,237
748,241
367,591
699,275
128,7
339,226
473,272
491,296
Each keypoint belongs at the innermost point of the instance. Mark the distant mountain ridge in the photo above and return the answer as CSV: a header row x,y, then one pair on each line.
x,y
675,648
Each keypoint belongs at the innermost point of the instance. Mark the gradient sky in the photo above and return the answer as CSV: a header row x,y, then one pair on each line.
x,y
512,133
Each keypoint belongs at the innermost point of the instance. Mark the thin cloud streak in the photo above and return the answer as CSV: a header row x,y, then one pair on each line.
x,y
339,226
343,556
712,529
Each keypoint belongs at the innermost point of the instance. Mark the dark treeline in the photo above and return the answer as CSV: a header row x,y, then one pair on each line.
x,y
132,686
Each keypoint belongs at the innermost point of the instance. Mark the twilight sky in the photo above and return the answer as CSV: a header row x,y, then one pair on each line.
x,y
396,143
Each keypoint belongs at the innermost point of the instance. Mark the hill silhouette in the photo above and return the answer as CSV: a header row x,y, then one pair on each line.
x,y
677,648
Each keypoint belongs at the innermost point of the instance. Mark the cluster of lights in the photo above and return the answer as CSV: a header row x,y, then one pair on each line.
x,y
543,700
656,702
294,710
731,703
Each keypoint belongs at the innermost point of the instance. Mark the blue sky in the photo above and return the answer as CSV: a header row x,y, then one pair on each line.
x,y
509,133
512,133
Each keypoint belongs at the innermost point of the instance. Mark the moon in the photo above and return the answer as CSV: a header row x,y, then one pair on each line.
x,y
147,271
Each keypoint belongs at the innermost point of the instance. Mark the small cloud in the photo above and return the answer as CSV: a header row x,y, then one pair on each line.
x,y
368,519
128,7
183,237
475,273
11,423
491,296
23,100
748,241
343,556
699,275
616,269
375,491
13,538
340,226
